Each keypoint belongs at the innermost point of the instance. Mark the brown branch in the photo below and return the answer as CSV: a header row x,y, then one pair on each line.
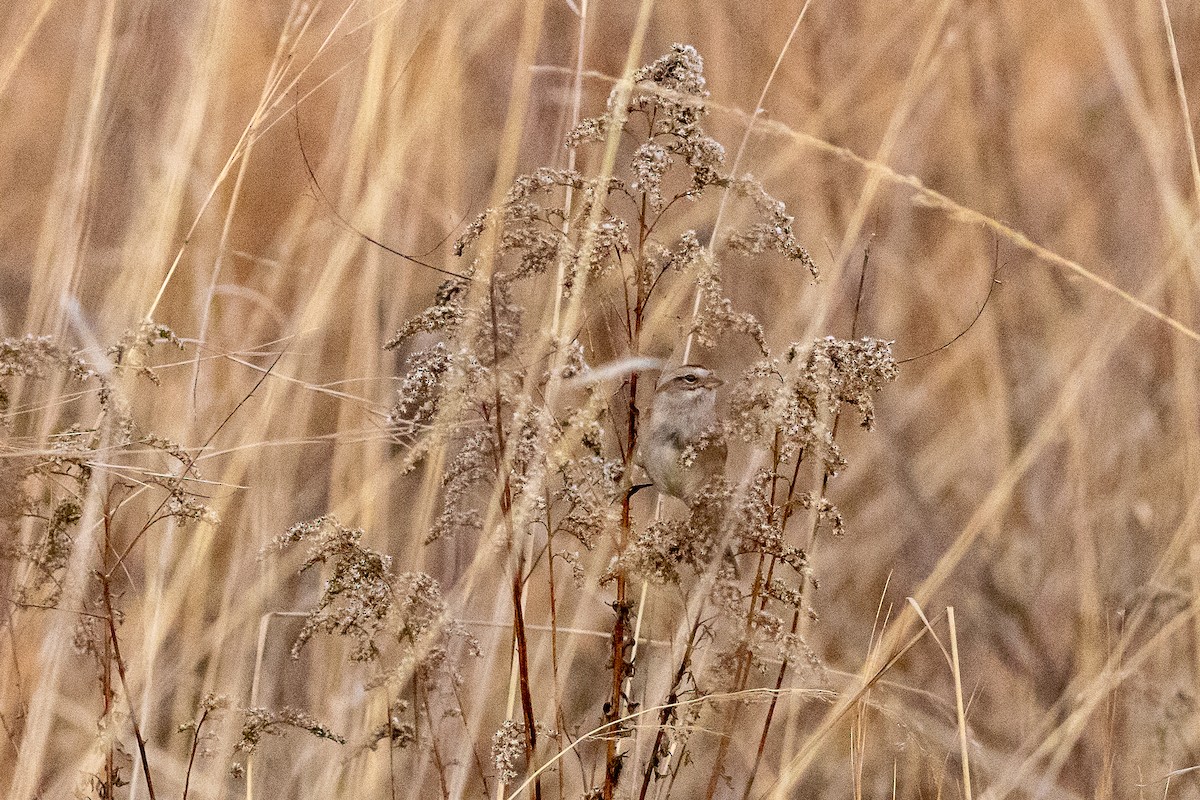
x,y
522,647
559,719
137,733
668,708
621,605
422,679
187,778
520,642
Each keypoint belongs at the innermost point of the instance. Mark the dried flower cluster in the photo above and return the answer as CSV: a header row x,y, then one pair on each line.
x,y
364,600
99,459
260,722
51,491
521,467
399,733
801,395
536,462
508,750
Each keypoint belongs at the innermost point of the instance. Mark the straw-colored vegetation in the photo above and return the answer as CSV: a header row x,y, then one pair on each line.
x,y
324,332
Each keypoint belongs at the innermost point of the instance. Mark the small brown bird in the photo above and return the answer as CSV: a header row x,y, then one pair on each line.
x,y
684,410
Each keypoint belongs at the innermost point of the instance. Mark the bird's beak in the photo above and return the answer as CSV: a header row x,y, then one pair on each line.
x,y
712,382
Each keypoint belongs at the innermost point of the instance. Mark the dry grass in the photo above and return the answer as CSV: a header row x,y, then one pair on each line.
x,y
1040,475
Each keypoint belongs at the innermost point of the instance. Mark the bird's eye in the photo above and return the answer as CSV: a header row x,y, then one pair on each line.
x,y
689,378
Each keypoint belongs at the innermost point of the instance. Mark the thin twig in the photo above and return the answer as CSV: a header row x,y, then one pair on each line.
x,y
418,260
993,282
188,466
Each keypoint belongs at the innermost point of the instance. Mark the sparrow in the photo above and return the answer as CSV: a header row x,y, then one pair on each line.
x,y
683,412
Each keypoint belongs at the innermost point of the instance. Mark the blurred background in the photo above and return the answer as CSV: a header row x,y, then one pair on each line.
x,y
230,168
